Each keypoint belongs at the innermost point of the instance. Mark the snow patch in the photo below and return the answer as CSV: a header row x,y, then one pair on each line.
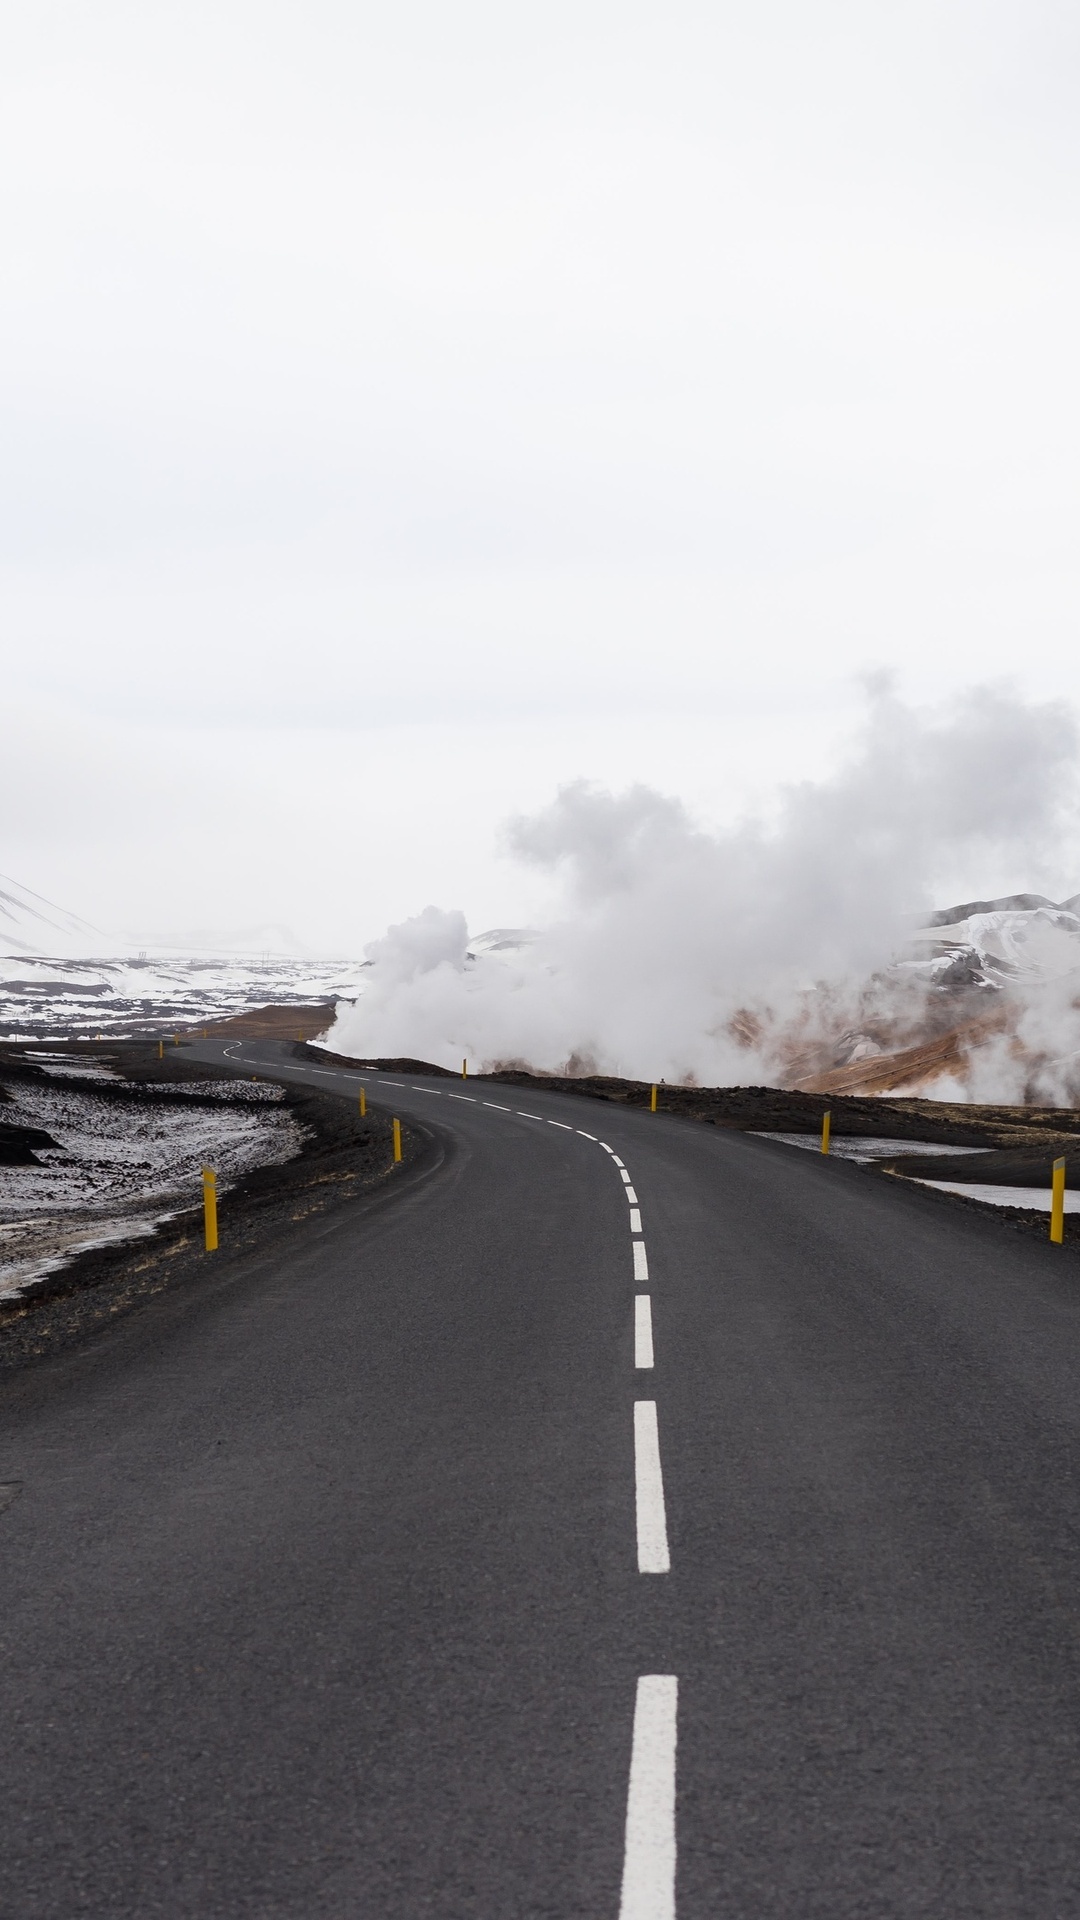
x,y
123,1165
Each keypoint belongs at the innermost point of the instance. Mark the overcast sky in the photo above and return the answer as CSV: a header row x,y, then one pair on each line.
x,y
409,407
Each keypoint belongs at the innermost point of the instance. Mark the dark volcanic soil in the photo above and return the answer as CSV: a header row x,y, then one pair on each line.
x,y
343,1156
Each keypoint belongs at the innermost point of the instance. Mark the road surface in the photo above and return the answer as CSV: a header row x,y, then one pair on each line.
x,y
622,1517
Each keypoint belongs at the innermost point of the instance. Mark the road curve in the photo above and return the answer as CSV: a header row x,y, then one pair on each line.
x,y
624,1518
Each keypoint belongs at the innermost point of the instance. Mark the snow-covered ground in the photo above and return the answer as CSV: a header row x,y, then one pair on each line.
x,y
50,999
123,1164
62,978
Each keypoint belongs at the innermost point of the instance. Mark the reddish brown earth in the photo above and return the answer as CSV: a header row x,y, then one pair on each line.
x,y
912,1068
276,1023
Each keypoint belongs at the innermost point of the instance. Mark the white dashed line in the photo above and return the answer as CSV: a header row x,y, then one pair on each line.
x,y
652,1541
648,1883
649,1870
643,1347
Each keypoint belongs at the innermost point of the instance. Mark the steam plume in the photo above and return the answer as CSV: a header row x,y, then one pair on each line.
x,y
682,954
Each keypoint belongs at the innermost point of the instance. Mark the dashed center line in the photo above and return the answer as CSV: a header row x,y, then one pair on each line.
x,y
648,1883
643,1346
652,1540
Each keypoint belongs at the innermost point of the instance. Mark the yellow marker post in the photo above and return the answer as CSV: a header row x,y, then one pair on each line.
x,y
464,1069
363,1103
1057,1203
209,1195
176,1039
826,1128
161,1049
397,1141
652,1102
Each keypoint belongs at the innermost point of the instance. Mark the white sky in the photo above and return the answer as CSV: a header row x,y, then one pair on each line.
x,y
407,408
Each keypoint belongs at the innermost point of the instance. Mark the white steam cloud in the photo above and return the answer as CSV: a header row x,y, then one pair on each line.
x,y
682,955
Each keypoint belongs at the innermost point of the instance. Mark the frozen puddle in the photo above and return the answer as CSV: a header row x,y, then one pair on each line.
x,y
1035,1199
846,1147
124,1164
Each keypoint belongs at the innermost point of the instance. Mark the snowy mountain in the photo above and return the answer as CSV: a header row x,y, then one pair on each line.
x,y
991,944
31,924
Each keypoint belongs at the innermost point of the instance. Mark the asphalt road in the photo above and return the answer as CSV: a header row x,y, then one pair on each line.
x,y
338,1588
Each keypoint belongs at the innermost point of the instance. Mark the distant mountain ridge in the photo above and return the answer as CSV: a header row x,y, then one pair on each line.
x,y
23,913
1011,903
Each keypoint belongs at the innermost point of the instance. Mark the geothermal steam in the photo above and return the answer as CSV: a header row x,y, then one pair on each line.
x,y
681,954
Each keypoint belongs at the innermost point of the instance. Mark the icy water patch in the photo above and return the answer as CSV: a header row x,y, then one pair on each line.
x,y
1035,1199
848,1147
122,1165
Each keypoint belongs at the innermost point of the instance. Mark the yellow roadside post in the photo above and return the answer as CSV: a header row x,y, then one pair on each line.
x,y
363,1103
397,1141
161,1049
209,1194
176,1039
1057,1203
826,1127
652,1101
464,1069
